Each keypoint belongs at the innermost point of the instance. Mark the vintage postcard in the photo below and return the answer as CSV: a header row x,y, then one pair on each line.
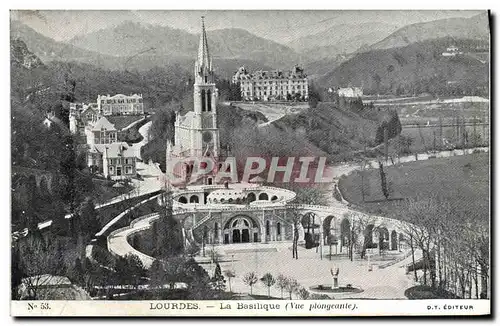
x,y
250,163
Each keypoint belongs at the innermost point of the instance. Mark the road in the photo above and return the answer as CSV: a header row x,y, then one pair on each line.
x,y
150,182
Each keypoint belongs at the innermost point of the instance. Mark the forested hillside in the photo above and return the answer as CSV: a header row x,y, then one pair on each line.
x,y
414,69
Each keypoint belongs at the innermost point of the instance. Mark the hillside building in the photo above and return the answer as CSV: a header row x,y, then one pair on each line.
x,y
350,92
81,115
120,104
101,132
116,160
274,85
451,51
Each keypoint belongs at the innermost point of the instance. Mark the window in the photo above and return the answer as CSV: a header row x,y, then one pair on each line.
x,y
203,100
128,169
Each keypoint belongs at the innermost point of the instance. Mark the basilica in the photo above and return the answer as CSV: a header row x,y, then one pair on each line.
x,y
196,132
221,213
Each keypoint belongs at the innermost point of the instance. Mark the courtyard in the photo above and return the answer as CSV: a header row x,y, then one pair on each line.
x,y
310,270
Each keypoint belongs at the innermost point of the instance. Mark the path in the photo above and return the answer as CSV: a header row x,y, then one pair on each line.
x,y
150,174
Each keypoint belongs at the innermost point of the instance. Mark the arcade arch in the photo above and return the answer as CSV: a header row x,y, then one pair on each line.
x,y
241,229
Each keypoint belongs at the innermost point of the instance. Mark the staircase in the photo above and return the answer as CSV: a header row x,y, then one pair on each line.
x,y
200,222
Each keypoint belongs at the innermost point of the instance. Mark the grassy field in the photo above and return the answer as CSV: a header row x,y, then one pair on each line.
x,y
423,112
463,180
122,121
423,138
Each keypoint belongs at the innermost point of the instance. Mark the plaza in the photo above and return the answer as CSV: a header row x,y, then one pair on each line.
x,y
310,270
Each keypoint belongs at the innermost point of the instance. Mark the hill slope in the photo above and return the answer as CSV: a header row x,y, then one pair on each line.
x,y
131,39
476,28
345,38
48,49
417,68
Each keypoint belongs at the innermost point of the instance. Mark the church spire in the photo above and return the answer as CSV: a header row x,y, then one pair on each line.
x,y
204,61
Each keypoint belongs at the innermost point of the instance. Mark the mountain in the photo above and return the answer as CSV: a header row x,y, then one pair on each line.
x,y
48,49
344,38
132,40
22,57
179,49
416,68
476,28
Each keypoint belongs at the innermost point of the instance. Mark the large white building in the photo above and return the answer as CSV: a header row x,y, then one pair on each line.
x,y
196,132
120,104
272,85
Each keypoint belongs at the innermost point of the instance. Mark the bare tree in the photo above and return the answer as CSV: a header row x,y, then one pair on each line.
x,y
293,215
291,286
281,282
250,279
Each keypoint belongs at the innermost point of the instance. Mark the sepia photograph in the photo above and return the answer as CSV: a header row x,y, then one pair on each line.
x,y
250,162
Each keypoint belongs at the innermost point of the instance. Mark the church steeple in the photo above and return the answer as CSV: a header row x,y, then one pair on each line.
x,y
203,66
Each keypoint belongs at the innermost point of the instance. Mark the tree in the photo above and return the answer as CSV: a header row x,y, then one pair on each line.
x,y
218,281
313,96
281,283
358,224
156,274
250,279
169,240
197,280
383,180
230,275
294,216
88,218
268,280
175,270
291,286
41,264
16,273
76,273
303,293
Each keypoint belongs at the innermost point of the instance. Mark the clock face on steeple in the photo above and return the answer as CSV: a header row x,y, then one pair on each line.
x,y
207,137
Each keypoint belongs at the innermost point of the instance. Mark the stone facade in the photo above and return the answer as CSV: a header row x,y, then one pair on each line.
x,y
274,85
120,104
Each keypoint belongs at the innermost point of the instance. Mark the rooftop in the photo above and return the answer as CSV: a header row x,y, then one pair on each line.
x,y
295,72
120,96
103,124
113,150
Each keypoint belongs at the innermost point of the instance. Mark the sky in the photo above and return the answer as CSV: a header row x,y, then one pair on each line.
x,y
281,26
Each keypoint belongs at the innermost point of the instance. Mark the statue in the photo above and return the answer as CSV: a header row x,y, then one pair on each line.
x,y
335,274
